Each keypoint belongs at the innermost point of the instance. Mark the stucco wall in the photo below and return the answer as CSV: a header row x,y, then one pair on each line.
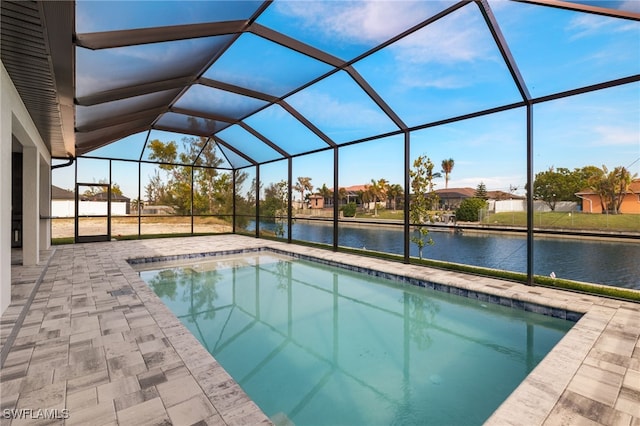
x,y
630,204
15,122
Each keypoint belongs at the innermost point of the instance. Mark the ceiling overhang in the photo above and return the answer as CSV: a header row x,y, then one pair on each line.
x,y
37,52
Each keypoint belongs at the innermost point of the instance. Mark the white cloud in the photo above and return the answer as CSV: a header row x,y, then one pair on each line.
x,y
587,25
459,37
359,21
324,110
616,136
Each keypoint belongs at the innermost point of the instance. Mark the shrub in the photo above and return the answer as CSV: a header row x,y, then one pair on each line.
x,y
469,209
349,210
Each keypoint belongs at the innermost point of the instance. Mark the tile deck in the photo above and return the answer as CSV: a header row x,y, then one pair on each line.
x,y
98,346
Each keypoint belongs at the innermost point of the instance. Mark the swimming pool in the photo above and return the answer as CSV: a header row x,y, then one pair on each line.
x,y
313,344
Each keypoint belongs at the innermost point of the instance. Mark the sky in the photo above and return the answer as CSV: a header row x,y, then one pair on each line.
x,y
449,68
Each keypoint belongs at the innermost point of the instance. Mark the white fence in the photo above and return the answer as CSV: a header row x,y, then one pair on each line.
x,y
502,206
67,208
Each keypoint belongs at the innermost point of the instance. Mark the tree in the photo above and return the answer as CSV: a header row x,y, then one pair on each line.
x,y
349,209
137,205
481,191
155,189
276,204
583,176
611,187
365,196
469,209
423,200
447,167
378,191
343,196
555,185
163,152
326,194
180,182
115,189
98,188
620,179
303,185
394,191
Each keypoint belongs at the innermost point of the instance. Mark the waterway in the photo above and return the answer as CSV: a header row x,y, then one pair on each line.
x,y
615,263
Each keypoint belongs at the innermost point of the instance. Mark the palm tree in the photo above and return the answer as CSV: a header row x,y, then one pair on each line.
x,y
611,186
303,185
393,192
326,193
365,196
137,205
378,191
447,167
343,196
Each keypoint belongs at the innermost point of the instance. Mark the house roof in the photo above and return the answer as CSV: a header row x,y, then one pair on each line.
x,y
58,193
102,196
451,193
354,188
446,193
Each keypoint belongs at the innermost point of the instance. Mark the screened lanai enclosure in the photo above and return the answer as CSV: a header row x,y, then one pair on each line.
x,y
307,121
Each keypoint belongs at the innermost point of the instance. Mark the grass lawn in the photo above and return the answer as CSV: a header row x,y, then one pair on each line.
x,y
569,220
549,220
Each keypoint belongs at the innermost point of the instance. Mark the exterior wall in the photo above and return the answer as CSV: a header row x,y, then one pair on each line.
x,y
316,202
5,189
630,204
16,123
591,204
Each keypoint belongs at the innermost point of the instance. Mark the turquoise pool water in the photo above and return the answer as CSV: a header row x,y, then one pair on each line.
x,y
319,345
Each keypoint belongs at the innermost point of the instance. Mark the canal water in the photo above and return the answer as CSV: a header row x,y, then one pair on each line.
x,y
601,262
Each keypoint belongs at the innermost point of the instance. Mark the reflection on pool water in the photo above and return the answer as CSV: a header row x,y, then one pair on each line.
x,y
319,345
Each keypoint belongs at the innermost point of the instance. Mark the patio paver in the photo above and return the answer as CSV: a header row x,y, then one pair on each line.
x,y
96,341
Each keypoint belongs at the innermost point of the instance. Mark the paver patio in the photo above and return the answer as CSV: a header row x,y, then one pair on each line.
x,y
87,335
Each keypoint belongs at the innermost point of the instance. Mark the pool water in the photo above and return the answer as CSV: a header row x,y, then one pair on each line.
x,y
319,345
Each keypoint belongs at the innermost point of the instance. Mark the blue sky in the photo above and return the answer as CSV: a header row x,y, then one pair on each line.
x,y
449,68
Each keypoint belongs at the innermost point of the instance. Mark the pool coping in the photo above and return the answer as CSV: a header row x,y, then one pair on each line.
x,y
591,375
516,303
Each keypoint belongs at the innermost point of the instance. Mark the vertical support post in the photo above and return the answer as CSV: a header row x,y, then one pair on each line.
x,y
234,173
30,206
45,204
257,188
289,197
139,199
7,172
407,194
191,209
336,197
109,193
530,211
76,219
